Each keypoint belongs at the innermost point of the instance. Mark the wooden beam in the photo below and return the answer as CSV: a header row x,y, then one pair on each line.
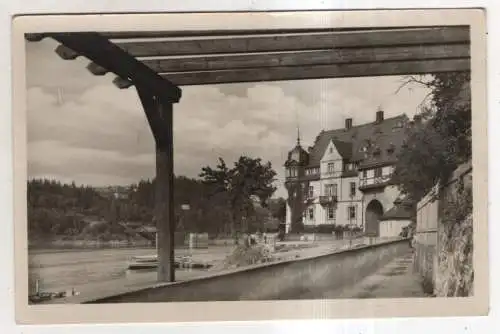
x,y
124,35
282,73
239,32
296,42
324,57
100,50
160,117
33,37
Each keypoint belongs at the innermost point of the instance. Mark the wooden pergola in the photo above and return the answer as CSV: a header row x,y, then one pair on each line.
x,y
158,63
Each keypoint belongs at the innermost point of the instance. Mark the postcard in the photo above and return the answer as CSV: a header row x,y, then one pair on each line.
x,y
250,166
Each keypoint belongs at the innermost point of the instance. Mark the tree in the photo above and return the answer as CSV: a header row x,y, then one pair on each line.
x,y
440,138
238,186
278,209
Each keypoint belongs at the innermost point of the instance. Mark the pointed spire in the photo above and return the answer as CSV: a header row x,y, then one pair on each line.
x,y
298,136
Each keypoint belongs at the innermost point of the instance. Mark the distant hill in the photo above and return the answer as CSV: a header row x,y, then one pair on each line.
x,y
57,210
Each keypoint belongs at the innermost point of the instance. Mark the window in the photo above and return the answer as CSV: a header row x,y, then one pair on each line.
x,y
391,148
331,213
364,174
351,211
378,172
353,188
311,213
331,149
330,190
331,168
311,192
312,171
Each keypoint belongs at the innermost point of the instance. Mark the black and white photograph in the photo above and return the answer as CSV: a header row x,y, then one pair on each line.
x,y
267,163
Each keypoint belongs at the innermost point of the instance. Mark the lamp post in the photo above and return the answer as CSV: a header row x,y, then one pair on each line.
x,y
185,208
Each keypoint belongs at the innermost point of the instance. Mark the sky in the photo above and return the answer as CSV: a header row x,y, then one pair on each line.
x,y
82,128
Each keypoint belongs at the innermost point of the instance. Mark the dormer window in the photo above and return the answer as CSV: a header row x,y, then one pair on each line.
x,y
391,149
398,125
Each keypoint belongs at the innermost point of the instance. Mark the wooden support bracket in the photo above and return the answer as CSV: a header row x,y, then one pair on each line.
x,y
107,55
96,69
122,83
66,53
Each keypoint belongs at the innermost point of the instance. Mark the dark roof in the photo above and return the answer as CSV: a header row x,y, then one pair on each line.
x,y
400,211
383,136
344,148
303,156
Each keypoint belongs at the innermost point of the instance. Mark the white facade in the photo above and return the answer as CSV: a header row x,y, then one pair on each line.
x,y
334,199
392,228
341,190
288,217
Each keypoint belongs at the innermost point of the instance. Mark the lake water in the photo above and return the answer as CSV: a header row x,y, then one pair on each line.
x,y
99,272
87,270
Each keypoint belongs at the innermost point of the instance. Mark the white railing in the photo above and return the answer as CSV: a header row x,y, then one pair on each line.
x,y
374,180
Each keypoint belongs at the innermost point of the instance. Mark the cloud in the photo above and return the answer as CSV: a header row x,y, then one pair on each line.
x,y
85,129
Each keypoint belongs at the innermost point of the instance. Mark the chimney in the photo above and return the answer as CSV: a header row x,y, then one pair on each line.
x,y
348,123
380,116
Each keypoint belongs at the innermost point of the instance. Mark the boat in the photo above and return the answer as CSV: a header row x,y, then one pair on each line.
x,y
143,262
145,258
151,262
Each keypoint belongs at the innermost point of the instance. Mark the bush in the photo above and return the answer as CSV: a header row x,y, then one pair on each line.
x,y
329,229
244,256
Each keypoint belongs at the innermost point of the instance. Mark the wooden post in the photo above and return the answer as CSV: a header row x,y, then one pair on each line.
x,y
164,199
159,114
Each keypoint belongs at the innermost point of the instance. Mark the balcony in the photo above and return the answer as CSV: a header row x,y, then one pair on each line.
x,y
308,200
374,182
327,200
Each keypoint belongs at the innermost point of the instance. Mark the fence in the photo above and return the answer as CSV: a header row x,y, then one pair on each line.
x,y
429,216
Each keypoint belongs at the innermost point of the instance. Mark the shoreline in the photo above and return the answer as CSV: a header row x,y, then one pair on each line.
x,y
49,250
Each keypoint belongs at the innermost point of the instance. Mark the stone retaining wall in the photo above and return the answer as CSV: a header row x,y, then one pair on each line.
x,y
296,279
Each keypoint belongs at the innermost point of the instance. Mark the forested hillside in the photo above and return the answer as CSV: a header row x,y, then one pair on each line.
x,y
57,210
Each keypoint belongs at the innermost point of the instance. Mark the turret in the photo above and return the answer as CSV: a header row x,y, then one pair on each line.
x,y
298,158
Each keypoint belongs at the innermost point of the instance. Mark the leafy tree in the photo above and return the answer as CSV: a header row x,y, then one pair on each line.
x,y
440,138
238,186
278,209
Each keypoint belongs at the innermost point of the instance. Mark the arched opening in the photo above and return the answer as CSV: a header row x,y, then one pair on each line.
x,y
374,212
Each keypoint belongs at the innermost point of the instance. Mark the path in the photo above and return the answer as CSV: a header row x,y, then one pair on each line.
x,y
394,280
